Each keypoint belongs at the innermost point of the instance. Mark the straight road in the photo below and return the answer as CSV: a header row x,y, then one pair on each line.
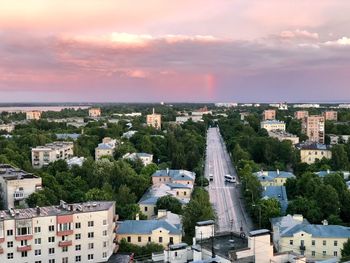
x,y
225,197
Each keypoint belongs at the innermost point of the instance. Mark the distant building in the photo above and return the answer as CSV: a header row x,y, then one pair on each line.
x,y
183,119
94,112
330,115
243,115
344,106
146,158
313,127
277,192
154,120
344,174
128,134
173,176
273,178
132,114
201,112
306,105
82,232
16,186
7,127
67,136
335,139
51,152
106,148
33,115
272,125
301,114
226,104
75,161
269,115
284,136
310,152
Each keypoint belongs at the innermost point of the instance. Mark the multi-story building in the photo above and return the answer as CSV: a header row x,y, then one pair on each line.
x,y
309,153
145,158
33,115
106,148
81,232
330,115
313,127
7,127
269,115
51,152
17,185
226,104
284,136
273,178
316,242
94,112
173,176
154,120
272,125
301,114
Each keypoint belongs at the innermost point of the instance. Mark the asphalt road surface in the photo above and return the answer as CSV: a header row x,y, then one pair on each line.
x,y
224,196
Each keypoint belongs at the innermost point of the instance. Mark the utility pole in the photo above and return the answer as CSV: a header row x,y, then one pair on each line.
x,y
212,245
231,227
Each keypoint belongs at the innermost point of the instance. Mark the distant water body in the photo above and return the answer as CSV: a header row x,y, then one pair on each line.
x,y
40,108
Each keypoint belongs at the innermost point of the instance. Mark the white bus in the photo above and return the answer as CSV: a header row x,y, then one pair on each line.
x,y
230,178
211,177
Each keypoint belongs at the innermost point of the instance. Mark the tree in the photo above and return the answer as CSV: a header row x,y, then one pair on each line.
x,y
201,181
330,205
269,208
340,161
307,207
169,203
345,252
239,154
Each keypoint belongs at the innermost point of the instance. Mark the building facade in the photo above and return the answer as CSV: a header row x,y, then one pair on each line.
x,y
272,125
7,127
154,120
284,136
81,232
106,148
273,178
51,152
17,185
330,115
33,115
94,112
145,158
269,115
309,153
313,127
301,114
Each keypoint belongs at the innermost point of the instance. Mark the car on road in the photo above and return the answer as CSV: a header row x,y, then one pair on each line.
x,y
211,177
230,178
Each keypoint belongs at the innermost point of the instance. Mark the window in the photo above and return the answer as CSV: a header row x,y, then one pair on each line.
x,y
10,244
24,254
77,225
37,229
313,253
129,239
104,254
290,242
37,252
77,236
160,239
90,256
175,254
9,255
104,244
64,249
324,253
77,258
335,243
149,239
146,208
171,240
64,227
37,261
324,242
184,193
104,222
313,242
138,239
104,233
91,246
10,232
78,247
52,250
37,241
51,228
90,223
335,253
22,231
90,234
51,261
24,243
65,260
51,239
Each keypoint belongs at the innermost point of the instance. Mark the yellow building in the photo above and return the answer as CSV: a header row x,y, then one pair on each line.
x,y
272,125
273,178
141,232
154,120
309,153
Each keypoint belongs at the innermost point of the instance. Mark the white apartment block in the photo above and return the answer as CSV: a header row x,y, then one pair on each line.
x,y
17,185
7,127
272,125
284,136
33,115
94,112
106,148
82,232
51,152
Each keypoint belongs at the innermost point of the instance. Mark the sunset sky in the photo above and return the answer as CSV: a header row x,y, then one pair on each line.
x,y
183,50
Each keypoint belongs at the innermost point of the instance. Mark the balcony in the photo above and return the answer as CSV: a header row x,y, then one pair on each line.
x,y
65,233
25,237
1,250
65,243
18,195
24,248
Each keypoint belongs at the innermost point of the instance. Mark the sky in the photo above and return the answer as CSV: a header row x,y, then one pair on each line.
x,y
174,51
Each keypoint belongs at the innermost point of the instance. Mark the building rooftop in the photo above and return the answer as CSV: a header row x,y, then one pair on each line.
x,y
313,146
53,146
157,191
105,146
282,133
277,192
176,174
9,172
146,227
271,175
322,231
65,136
272,122
62,209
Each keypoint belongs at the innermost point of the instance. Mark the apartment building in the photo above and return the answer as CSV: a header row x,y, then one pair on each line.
x,y
106,148
145,158
154,120
330,115
284,136
51,152
33,115
272,125
269,115
301,114
316,242
313,127
17,185
94,112
7,127
273,178
309,153
82,232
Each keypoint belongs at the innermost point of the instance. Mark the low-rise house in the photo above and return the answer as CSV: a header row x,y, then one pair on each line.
x,y
75,161
17,185
106,148
277,192
67,136
284,136
146,158
51,152
7,127
311,152
142,232
128,134
271,125
273,178
322,174
173,176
